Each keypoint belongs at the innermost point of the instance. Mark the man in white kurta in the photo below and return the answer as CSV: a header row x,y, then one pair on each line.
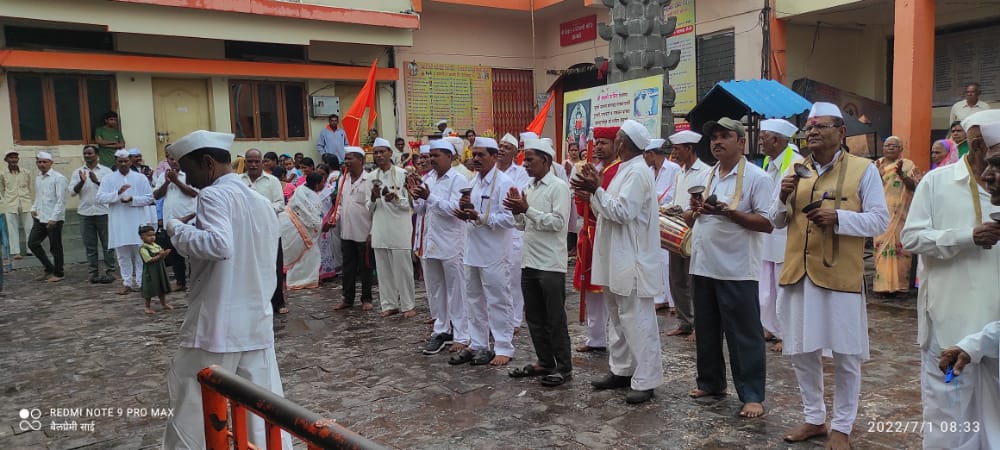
x,y
268,186
814,319
774,136
351,214
521,180
179,200
127,194
392,229
440,246
489,308
627,263
665,174
232,246
950,233
980,349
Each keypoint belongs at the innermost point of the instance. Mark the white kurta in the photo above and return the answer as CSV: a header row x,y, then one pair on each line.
x,y
984,348
773,254
392,227
124,218
813,318
666,183
519,176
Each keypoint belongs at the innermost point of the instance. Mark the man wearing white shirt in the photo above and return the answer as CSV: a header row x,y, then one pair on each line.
x,y
956,240
231,245
489,308
352,216
440,246
665,174
392,229
774,136
726,225
49,213
128,194
520,178
268,186
542,212
968,106
693,172
821,302
627,263
179,200
85,182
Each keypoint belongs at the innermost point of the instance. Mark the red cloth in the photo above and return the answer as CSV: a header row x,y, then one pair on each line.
x,y
585,239
605,132
351,122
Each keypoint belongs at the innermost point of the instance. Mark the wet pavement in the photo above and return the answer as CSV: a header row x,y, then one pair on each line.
x,y
76,345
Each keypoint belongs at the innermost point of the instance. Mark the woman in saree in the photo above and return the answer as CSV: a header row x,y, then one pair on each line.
x,y
943,152
300,225
899,179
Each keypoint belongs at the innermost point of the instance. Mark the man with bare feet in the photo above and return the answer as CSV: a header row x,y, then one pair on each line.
x,y
392,227
351,214
829,206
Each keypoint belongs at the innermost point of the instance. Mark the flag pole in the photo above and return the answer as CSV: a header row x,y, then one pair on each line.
x,y
586,214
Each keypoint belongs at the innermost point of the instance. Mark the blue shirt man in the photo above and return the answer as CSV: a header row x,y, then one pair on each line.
x,y
332,139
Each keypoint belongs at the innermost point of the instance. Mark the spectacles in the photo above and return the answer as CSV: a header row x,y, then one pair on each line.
x,y
810,128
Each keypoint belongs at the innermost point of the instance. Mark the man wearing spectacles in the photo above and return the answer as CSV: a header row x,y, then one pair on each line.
x,y
970,105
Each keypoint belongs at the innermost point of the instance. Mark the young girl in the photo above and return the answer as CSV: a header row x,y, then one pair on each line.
x,y
154,271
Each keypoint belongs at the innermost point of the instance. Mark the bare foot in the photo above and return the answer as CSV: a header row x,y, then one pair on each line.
x,y
838,441
698,393
672,311
804,432
678,332
283,310
752,410
457,347
389,312
768,335
410,314
341,306
691,337
18,257
500,360
166,307
150,310
778,347
367,307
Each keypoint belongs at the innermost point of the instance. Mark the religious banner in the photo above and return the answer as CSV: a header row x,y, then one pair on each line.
x,y
610,105
460,94
684,78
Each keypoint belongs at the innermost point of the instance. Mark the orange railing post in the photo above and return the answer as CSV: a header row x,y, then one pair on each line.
x,y
216,417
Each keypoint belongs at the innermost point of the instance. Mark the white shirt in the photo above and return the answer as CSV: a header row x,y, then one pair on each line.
x,y
518,176
392,225
232,247
960,281
50,196
89,206
666,182
627,254
353,216
176,203
720,248
269,187
490,236
545,225
124,219
961,110
694,176
442,235
984,344
774,243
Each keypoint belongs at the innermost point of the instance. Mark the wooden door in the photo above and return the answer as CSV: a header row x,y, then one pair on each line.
x,y
180,106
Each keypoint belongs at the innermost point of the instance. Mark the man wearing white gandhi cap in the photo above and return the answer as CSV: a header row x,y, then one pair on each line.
x,y
232,244
49,212
442,126
949,226
821,302
127,194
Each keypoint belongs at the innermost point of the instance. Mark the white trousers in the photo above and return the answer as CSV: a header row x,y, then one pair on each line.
x,y
130,265
395,279
489,308
971,398
768,288
597,320
634,340
186,428
444,280
514,259
847,377
14,221
665,297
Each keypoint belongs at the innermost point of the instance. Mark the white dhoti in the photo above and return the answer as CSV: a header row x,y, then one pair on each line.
x,y
517,296
444,280
971,398
489,308
130,265
770,272
186,428
395,279
634,340
665,297
597,320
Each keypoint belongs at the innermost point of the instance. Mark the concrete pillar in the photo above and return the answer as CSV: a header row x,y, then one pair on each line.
x,y
913,78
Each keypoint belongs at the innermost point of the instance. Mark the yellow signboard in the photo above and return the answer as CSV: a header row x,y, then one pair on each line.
x,y
610,105
684,78
460,94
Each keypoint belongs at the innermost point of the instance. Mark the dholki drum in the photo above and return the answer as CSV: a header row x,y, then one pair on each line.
x,y
674,235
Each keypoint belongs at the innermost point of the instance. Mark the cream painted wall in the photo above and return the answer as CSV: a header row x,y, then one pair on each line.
x,y
788,8
852,59
740,16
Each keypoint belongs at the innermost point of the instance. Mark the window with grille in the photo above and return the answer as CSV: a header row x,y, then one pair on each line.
x,y
716,59
268,110
52,109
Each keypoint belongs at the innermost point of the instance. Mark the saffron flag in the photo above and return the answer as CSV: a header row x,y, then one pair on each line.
x,y
365,100
538,123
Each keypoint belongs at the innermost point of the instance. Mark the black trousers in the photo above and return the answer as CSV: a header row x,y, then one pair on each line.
x,y
545,311
278,298
177,262
358,260
40,232
730,308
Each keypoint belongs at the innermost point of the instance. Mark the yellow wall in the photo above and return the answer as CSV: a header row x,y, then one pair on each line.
x,y
849,58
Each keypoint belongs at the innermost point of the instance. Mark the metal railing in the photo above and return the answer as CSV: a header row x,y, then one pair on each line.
x,y
227,397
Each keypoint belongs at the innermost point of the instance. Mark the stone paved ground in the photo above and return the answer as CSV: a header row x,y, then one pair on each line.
x,y
77,345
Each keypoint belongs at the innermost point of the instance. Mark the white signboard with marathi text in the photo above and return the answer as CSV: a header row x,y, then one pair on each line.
x,y
610,105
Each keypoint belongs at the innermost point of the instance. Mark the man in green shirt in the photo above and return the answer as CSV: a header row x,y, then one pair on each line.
x,y
109,139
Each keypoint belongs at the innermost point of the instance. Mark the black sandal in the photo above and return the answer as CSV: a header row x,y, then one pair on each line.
x,y
530,370
556,379
482,357
461,357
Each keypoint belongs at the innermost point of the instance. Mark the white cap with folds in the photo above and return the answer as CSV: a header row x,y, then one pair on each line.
x,y
528,135
510,139
486,142
991,133
655,144
685,137
779,126
380,142
441,122
980,118
424,149
134,152
198,140
441,144
636,132
122,153
821,109
540,145
456,142
352,149
45,156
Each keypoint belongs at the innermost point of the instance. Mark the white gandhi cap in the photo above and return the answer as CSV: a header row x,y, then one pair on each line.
x,y
198,140
685,137
779,126
820,109
991,133
636,132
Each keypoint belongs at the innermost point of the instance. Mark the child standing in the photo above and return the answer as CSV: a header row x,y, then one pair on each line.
x,y
154,274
